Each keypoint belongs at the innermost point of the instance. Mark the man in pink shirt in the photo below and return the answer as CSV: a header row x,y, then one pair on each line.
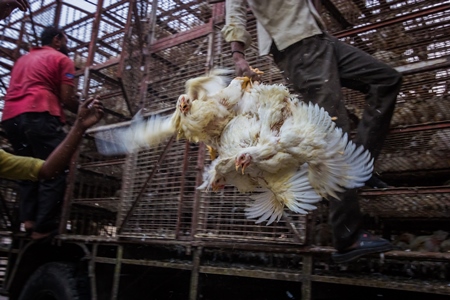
x,y
41,85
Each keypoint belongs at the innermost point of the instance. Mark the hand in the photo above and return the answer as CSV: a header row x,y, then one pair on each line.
x,y
7,6
21,4
242,68
89,113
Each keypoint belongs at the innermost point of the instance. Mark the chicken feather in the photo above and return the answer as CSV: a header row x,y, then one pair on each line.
x,y
289,189
289,150
200,116
306,134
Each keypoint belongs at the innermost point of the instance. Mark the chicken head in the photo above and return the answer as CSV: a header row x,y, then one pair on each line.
x,y
184,104
243,160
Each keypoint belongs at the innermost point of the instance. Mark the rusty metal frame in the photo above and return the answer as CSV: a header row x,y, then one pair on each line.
x,y
391,21
182,186
421,127
149,178
197,247
405,191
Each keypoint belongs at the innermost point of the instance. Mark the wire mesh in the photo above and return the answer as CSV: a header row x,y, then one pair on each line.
x,y
408,35
425,149
156,202
359,13
96,192
412,203
222,217
417,48
170,69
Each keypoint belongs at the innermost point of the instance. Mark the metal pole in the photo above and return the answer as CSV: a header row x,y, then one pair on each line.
x,y
149,178
307,272
92,272
146,52
117,269
193,290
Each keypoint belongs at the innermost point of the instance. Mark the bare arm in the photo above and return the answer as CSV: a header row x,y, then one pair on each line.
x,y
90,112
241,65
7,7
68,99
239,38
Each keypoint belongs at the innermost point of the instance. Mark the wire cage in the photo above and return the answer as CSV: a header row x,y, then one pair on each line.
x,y
422,149
401,203
95,189
168,206
141,59
158,193
222,218
417,47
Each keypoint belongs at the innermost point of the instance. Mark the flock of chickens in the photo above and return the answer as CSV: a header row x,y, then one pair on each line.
x,y
261,139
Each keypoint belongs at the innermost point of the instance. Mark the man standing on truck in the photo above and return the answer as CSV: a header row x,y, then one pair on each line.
x,y
29,168
41,85
317,65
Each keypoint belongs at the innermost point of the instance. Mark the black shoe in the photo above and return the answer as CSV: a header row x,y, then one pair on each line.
x,y
376,183
366,244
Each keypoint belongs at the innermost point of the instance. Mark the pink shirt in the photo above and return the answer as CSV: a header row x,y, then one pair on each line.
x,y
35,83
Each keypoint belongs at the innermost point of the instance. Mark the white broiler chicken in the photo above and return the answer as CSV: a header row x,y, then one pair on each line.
x,y
200,116
294,132
288,187
267,141
291,150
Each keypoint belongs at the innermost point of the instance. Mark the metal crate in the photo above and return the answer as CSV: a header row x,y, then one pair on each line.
x,y
95,187
402,203
157,194
160,200
416,148
222,218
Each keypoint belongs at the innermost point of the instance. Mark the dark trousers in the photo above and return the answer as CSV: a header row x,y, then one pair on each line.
x,y
318,67
37,135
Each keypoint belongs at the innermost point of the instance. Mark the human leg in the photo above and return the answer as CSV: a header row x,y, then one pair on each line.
x,y
28,190
314,66
311,67
45,133
381,85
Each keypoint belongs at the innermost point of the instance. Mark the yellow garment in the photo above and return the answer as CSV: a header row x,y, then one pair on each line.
x,y
19,167
283,22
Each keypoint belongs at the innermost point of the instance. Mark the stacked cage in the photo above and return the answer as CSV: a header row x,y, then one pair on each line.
x,y
95,183
160,199
411,37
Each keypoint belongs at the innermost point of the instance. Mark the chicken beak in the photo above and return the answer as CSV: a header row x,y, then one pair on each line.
x,y
238,166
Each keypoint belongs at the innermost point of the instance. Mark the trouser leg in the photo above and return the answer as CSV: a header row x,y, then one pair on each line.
x,y
311,67
316,67
381,85
51,191
28,190
51,195
37,135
